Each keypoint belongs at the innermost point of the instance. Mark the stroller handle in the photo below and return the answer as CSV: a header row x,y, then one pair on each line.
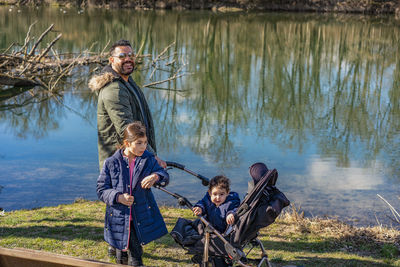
x,y
204,180
182,201
175,165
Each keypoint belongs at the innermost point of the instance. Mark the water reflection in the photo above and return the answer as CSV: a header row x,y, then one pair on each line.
x,y
36,112
301,82
354,178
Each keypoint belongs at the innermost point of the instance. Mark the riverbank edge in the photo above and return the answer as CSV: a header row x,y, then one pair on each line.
x,y
77,230
336,6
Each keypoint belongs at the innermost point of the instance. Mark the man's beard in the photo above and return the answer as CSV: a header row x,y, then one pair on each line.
x,y
120,68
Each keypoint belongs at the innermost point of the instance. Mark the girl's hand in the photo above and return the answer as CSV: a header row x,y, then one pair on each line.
x,y
148,181
125,199
197,211
230,219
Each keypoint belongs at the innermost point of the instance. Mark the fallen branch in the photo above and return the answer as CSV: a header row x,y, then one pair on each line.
x,y
27,66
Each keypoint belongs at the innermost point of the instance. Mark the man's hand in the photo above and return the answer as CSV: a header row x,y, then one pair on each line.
x,y
230,219
161,162
126,199
148,181
197,211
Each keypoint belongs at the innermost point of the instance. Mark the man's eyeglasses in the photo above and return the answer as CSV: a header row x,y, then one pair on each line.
x,y
124,55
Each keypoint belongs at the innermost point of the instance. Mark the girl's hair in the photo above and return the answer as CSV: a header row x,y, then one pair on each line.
x,y
133,131
219,181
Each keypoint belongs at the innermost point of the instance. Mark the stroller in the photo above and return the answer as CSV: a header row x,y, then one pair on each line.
x,y
260,207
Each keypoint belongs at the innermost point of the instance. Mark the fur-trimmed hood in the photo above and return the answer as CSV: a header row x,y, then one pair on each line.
x,y
105,77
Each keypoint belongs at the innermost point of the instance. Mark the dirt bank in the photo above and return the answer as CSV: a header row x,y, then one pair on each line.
x,y
342,6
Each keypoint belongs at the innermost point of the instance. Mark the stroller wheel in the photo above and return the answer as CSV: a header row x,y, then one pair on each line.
x,y
198,259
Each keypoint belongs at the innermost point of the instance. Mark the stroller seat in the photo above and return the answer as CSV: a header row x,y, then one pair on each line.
x,y
260,207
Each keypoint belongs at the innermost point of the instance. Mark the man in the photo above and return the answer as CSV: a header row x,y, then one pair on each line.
x,y
120,102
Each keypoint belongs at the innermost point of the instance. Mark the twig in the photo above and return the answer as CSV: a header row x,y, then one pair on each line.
x,y
163,81
154,70
394,212
39,40
170,63
58,59
27,38
4,63
51,87
8,48
48,47
164,51
41,83
102,51
159,56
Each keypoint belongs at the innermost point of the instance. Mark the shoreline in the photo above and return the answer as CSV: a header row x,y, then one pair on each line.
x,y
319,6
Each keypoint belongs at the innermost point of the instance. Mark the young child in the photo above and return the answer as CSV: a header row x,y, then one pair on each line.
x,y
219,205
132,216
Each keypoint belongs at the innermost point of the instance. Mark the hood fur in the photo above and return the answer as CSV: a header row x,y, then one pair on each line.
x,y
99,81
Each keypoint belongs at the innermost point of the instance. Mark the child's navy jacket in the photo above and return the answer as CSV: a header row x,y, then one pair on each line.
x,y
217,215
146,217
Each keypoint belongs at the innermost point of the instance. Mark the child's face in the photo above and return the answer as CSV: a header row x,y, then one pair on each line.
x,y
218,195
137,147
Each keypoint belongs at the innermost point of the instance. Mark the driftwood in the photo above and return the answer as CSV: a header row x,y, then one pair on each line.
x,y
32,66
27,65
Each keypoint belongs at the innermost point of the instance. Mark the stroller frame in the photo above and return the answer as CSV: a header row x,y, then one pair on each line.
x,y
235,254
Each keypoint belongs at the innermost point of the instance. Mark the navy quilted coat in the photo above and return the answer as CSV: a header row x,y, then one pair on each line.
x,y
217,215
146,217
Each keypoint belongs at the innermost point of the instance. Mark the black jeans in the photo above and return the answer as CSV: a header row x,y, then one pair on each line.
x,y
133,256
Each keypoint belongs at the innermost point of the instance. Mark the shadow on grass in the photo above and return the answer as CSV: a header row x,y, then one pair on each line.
x,y
166,259
64,233
326,262
74,220
371,249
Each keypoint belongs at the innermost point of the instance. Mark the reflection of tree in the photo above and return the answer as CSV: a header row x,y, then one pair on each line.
x,y
316,80
30,115
35,112
326,79
349,108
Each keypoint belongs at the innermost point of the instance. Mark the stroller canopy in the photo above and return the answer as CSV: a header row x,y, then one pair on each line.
x,y
260,208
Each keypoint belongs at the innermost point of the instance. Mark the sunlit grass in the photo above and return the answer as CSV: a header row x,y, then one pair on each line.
x,y
77,230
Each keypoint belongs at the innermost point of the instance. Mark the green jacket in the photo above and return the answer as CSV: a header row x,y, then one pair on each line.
x,y
117,106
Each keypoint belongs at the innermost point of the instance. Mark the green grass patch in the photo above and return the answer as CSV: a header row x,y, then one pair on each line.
x,y
77,230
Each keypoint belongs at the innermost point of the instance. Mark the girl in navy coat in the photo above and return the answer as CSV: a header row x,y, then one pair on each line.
x,y
132,216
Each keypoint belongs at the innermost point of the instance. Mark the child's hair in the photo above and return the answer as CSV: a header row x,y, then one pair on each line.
x,y
219,181
133,131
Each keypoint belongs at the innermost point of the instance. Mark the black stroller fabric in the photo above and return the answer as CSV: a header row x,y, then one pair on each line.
x,y
261,206
259,209
186,232
189,234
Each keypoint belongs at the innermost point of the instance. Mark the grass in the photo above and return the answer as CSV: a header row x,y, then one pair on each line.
x,y
77,230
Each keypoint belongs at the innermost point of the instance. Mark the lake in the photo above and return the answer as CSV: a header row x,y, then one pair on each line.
x,y
315,96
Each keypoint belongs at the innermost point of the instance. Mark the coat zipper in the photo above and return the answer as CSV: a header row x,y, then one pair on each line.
x,y
130,208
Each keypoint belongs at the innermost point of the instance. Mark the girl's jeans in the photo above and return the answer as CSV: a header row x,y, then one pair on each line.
x,y
135,252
